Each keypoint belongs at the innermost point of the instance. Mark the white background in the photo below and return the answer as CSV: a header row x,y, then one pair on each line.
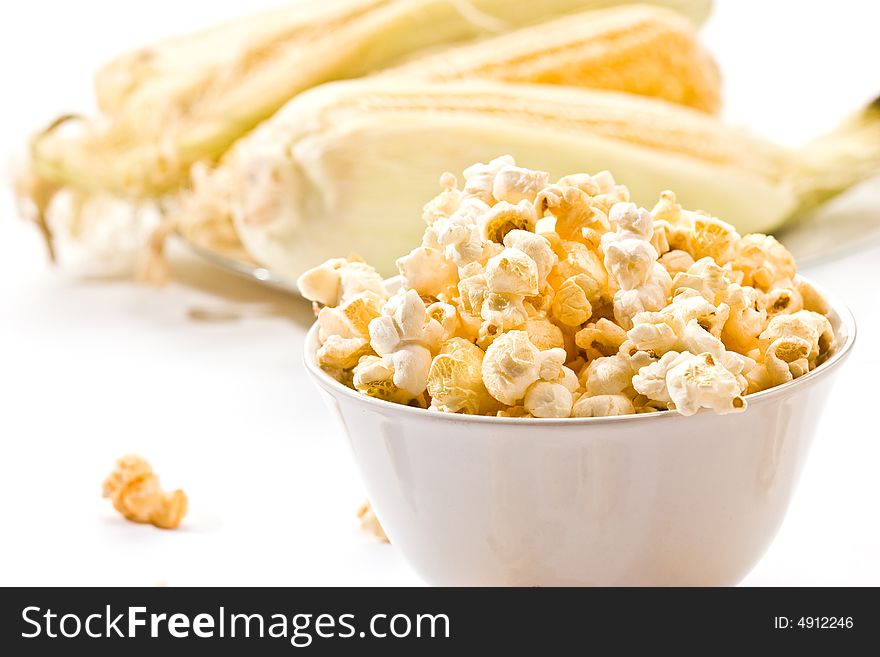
x,y
90,370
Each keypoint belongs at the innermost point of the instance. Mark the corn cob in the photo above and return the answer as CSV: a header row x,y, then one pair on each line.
x,y
639,49
348,165
187,100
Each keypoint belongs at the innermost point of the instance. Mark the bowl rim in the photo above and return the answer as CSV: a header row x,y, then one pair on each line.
x,y
837,309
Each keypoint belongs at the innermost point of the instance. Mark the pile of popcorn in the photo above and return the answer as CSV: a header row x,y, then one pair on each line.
x,y
532,299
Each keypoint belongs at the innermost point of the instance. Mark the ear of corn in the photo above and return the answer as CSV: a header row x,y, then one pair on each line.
x,y
837,160
188,99
352,163
639,49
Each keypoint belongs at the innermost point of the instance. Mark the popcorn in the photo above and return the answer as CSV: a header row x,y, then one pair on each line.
x,y
134,489
458,235
501,312
374,377
609,191
764,262
695,233
455,381
528,298
514,184
479,179
445,203
544,334
811,297
602,406
535,247
578,259
688,382
813,328
747,318
676,261
339,353
339,279
344,330
650,296
572,206
713,238
783,300
667,212
446,316
785,359
546,399
689,323
602,338
571,306
631,261
427,271
512,364
404,336
705,277
607,375
504,217
370,523
512,272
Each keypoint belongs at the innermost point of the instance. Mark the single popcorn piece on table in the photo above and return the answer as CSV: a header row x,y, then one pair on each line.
x,y
134,489
370,523
533,298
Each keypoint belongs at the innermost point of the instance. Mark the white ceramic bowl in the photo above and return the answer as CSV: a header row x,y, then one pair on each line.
x,y
656,499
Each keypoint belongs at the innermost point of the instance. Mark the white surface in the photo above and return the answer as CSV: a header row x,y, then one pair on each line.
x,y
90,370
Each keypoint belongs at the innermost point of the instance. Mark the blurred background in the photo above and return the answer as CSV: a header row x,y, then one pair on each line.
x,y
203,376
